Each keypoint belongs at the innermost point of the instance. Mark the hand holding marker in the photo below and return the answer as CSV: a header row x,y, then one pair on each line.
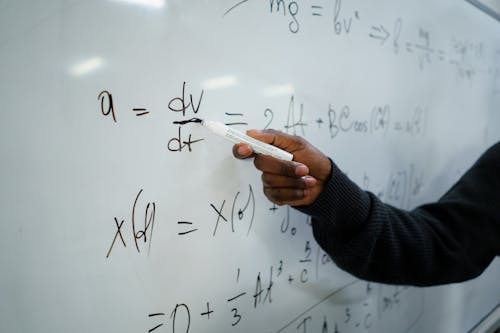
x,y
286,179
236,136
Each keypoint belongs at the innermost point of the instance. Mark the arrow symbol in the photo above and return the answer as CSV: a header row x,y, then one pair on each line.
x,y
379,33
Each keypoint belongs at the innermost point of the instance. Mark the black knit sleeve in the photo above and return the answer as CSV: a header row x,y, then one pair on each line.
x,y
451,240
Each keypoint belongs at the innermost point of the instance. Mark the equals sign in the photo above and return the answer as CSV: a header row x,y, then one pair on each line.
x,y
316,10
235,123
186,232
140,111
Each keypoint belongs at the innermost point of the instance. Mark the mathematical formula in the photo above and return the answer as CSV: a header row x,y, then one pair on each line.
x,y
464,55
233,215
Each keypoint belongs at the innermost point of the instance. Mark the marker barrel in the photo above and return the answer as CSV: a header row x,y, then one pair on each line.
x,y
236,136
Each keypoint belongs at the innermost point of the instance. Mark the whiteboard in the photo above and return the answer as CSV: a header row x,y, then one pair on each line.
x,y
116,219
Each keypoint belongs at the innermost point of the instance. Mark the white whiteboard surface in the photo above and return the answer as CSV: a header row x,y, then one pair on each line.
x,y
403,95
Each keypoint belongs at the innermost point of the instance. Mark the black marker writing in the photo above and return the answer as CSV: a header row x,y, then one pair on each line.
x,y
187,322
192,120
182,106
140,111
117,233
188,231
107,106
149,221
178,144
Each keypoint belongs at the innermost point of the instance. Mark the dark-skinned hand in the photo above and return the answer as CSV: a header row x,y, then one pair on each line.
x,y
296,183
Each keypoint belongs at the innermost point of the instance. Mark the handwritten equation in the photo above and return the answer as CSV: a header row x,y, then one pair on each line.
x,y
138,228
343,120
236,215
464,55
336,120
184,105
378,303
291,11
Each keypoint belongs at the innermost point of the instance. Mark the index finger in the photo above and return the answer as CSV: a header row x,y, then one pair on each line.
x,y
279,139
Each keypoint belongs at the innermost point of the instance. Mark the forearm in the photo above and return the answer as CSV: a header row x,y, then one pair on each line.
x,y
451,240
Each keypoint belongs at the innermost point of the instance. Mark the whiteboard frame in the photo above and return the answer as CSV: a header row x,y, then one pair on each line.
x,y
490,323
490,7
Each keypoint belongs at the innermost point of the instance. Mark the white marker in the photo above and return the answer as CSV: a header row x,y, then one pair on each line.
x,y
235,136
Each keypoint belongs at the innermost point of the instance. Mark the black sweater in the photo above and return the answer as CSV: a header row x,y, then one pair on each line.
x,y
451,240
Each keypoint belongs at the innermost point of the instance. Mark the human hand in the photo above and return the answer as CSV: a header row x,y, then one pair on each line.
x,y
298,182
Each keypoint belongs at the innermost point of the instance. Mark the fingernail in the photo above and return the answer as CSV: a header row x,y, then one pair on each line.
x,y
310,181
301,170
244,150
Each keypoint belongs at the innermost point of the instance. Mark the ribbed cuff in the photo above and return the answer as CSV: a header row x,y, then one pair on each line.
x,y
342,204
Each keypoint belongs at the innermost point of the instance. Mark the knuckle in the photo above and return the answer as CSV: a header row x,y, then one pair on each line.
x,y
299,194
272,131
300,183
287,169
257,162
301,142
266,178
273,195
268,195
